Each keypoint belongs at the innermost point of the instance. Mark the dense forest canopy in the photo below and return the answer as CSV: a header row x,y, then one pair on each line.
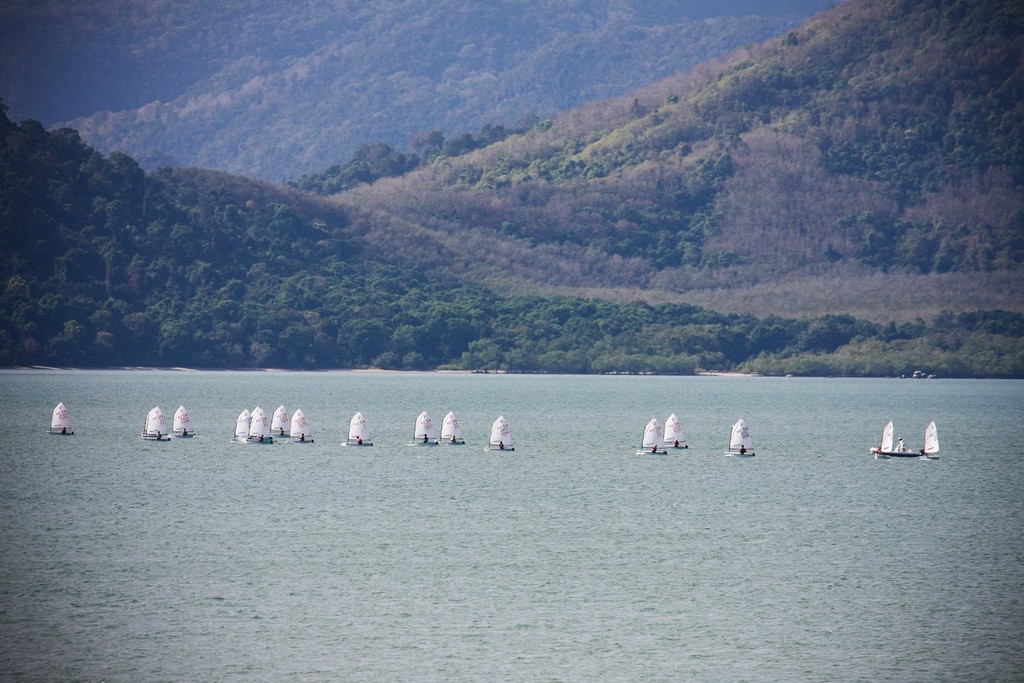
x,y
275,88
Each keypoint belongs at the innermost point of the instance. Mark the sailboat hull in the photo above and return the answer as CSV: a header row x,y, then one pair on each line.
x,y
737,454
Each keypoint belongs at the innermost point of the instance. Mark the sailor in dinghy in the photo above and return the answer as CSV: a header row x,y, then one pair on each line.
x,y
156,426
501,436
281,423
182,428
451,431
740,442
259,428
358,432
653,441
299,429
424,433
674,433
60,421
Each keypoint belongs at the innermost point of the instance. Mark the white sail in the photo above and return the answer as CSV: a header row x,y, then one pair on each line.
x,y
156,425
931,439
358,431
501,434
674,432
740,442
654,437
424,432
451,431
60,421
886,445
182,425
242,425
281,423
299,428
259,427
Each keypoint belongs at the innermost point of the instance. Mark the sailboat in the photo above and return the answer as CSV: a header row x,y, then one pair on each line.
x,y
740,443
501,436
182,427
358,432
156,426
424,434
242,426
259,427
653,441
299,428
674,433
60,421
451,431
884,451
280,425
931,443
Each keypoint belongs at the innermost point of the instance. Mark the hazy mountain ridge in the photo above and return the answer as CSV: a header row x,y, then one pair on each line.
x,y
278,89
873,138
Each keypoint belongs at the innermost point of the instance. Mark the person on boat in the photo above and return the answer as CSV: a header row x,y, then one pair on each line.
x,y
158,435
282,431
424,438
743,450
359,441
900,446
501,445
675,443
184,431
261,438
453,438
302,437
64,430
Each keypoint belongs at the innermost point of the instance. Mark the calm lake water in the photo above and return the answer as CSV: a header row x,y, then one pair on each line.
x,y
571,559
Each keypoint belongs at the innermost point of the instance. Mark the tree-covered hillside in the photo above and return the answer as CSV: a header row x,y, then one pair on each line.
x,y
882,137
104,264
275,89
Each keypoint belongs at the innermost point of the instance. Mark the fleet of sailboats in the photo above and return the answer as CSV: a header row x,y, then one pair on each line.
x,y
257,427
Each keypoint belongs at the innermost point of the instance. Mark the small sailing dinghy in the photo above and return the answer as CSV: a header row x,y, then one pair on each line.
x,y
299,428
60,421
358,432
156,426
884,451
242,426
674,433
281,423
182,427
740,443
425,433
931,443
451,431
501,436
259,427
653,442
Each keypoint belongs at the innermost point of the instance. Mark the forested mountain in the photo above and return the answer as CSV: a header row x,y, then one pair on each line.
x,y
876,146
880,138
275,89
